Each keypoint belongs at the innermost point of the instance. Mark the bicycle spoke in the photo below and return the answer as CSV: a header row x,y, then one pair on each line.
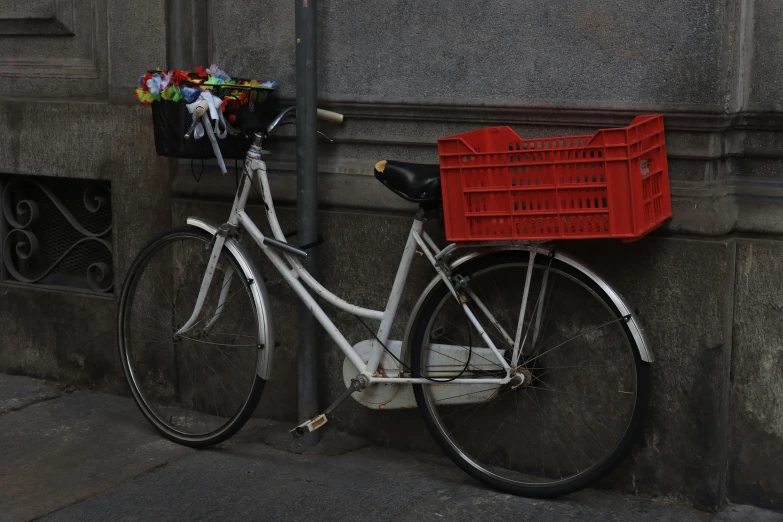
x,y
164,323
489,332
468,393
147,341
211,332
229,359
575,395
212,387
230,396
479,405
547,314
213,310
157,331
163,292
192,380
455,343
202,341
490,439
603,325
497,293
495,321
195,356
554,425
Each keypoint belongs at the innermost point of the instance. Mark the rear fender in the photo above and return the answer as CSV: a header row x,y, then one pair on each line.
x,y
634,325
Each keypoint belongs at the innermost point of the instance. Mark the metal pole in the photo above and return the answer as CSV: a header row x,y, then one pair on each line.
x,y
178,42
3,274
307,201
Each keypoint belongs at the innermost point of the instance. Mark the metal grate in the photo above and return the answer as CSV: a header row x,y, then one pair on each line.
x,y
56,232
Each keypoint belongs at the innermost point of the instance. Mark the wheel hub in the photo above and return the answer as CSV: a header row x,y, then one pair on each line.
x,y
521,379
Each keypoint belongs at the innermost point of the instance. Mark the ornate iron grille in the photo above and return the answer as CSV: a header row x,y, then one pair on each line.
x,y
56,232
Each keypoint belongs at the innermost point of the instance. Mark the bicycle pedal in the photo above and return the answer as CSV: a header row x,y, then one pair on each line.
x,y
309,426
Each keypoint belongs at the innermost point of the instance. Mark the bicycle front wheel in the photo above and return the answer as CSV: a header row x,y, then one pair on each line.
x,y
200,386
585,391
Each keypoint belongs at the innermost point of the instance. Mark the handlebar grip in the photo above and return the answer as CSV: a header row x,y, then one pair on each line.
x,y
201,109
329,115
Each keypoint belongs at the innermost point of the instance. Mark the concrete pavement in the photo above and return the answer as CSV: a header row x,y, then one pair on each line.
x,y
76,455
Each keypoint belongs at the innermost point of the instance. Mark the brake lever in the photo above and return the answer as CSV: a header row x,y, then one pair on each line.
x,y
325,136
192,127
292,123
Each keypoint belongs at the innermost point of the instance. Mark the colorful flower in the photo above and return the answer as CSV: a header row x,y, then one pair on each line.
x,y
158,83
218,73
145,97
143,80
178,77
176,85
214,80
190,94
172,93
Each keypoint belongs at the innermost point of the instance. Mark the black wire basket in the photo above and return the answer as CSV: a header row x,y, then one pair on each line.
x,y
171,120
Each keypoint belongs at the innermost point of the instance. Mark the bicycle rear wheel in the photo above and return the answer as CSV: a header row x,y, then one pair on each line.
x,y
200,387
586,389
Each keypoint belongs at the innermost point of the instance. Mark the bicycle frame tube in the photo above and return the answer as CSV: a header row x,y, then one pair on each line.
x,y
518,340
297,277
293,266
468,312
394,298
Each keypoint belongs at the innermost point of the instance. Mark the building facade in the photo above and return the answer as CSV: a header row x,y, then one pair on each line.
x,y
75,143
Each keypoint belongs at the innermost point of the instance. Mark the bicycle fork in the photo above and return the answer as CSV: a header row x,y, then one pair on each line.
x,y
218,241
217,248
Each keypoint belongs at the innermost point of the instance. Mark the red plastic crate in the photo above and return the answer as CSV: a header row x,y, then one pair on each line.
x,y
499,186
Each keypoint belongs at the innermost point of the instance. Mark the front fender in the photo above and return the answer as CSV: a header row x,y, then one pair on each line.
x,y
259,294
634,325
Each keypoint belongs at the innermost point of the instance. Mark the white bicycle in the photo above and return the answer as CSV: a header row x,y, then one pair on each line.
x,y
530,371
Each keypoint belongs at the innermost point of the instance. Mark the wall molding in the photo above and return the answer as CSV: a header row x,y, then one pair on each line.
x,y
725,200
64,13
677,117
38,18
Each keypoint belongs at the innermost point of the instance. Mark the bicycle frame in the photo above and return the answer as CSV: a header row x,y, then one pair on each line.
x,y
294,273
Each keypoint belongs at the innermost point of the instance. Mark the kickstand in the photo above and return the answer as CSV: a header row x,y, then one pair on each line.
x,y
313,424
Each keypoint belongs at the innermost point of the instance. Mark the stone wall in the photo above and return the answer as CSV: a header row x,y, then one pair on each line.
x,y
67,70
405,73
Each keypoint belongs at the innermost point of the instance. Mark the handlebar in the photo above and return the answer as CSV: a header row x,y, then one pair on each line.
x,y
329,115
320,113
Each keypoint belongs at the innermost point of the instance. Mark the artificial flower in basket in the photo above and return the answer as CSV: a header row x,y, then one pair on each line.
x,y
208,101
